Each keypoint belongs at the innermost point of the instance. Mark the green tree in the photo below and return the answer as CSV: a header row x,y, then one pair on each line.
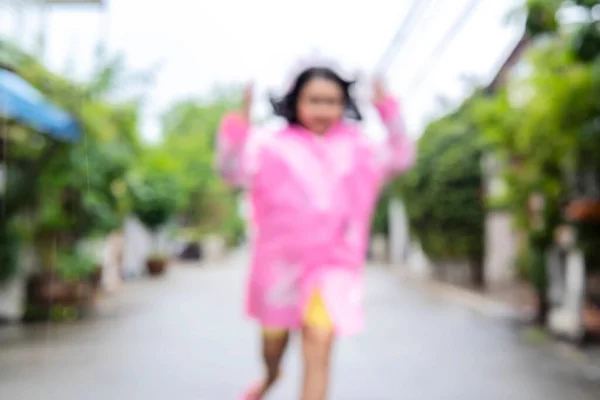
x,y
544,127
60,193
443,191
189,129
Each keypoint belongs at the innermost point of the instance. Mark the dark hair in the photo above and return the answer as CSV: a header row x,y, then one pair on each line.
x,y
286,106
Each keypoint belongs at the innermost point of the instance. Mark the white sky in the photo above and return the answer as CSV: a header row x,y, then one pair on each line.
x,y
199,43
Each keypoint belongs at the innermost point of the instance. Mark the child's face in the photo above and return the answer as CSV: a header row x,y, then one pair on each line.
x,y
320,104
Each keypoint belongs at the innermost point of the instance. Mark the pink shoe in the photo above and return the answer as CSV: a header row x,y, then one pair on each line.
x,y
254,392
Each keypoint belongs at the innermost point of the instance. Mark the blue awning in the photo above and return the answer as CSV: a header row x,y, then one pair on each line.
x,y
22,102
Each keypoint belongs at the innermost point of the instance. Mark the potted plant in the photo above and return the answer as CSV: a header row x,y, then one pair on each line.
x,y
63,292
583,209
77,269
156,263
154,201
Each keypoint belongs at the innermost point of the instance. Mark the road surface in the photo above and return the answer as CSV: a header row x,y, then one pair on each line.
x,y
184,337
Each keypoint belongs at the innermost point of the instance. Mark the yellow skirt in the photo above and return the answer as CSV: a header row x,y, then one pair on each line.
x,y
315,316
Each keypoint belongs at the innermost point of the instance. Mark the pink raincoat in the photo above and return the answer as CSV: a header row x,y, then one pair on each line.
x,y
311,202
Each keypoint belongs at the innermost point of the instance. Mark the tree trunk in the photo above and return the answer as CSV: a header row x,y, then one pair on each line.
x,y
543,309
477,272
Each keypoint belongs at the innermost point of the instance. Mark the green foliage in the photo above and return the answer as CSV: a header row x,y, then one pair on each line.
x,y
443,190
73,191
542,20
233,228
540,134
68,192
81,186
544,126
380,223
74,265
9,251
153,198
587,3
54,313
586,43
531,266
189,128
541,16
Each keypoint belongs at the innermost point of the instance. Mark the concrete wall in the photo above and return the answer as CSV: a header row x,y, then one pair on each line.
x,y
417,263
501,248
138,244
501,243
12,298
108,252
567,293
405,254
454,272
399,240
12,293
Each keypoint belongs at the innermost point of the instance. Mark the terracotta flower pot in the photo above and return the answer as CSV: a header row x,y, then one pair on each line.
x,y
47,293
156,266
47,289
591,319
583,210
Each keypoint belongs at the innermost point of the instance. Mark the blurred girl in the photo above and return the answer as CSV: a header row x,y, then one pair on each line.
x,y
312,188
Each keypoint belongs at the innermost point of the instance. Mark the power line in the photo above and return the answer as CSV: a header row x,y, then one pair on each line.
x,y
401,35
443,44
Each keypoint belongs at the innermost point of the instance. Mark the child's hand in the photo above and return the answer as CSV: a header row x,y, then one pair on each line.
x,y
247,102
379,91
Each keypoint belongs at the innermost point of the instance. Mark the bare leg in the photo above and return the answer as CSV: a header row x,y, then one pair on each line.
x,y
316,346
274,344
273,351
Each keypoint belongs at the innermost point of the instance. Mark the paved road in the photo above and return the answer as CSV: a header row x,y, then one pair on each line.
x,y
183,337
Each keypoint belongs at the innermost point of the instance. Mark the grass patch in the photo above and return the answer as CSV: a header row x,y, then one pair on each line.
x,y
536,335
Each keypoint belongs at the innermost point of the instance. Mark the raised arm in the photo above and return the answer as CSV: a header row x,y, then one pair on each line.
x,y
232,141
398,155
